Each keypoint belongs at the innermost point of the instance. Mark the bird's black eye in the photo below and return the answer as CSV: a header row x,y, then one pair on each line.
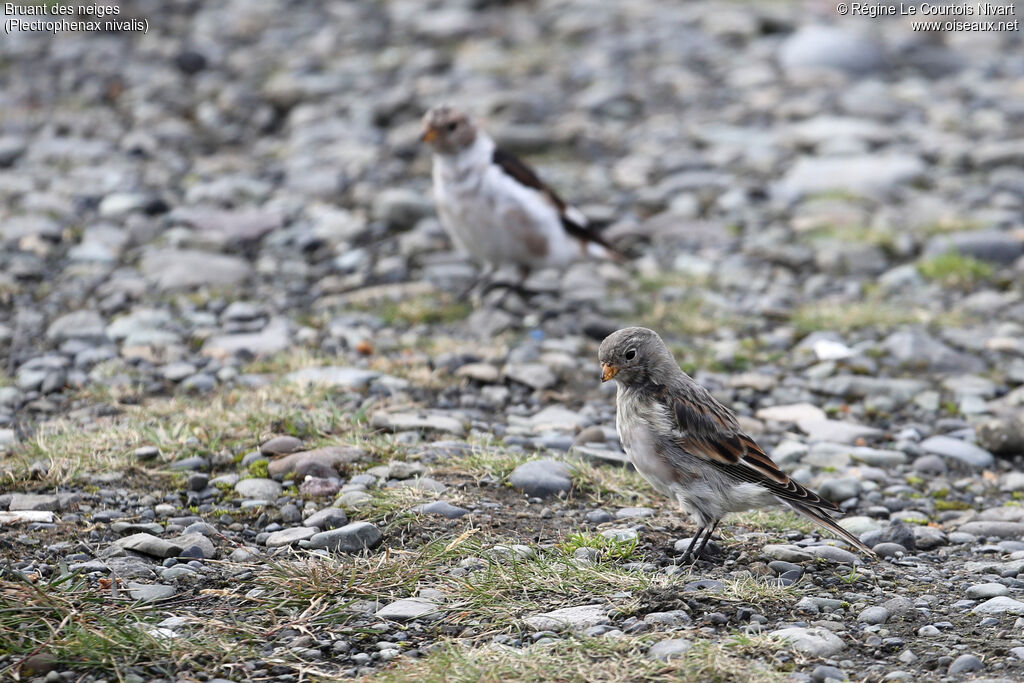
x,y
452,126
631,354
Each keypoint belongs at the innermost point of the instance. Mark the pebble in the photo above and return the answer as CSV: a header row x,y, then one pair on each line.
x,y
542,478
665,650
964,664
354,537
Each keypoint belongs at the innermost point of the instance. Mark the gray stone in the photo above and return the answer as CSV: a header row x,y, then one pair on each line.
x,y
832,47
290,536
836,431
258,488
32,501
574,618
195,545
542,478
795,412
150,592
988,245
84,324
408,609
335,376
786,553
328,518
440,507
965,664
274,337
665,650
401,208
431,420
983,591
957,449
873,615
870,174
832,553
533,375
628,513
326,462
351,538
823,673
149,544
817,642
170,269
918,349
281,445
999,605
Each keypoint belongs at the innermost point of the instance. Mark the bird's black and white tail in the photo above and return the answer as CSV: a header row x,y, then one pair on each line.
x,y
822,519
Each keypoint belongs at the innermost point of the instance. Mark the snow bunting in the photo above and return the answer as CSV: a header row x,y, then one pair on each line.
x,y
494,206
690,447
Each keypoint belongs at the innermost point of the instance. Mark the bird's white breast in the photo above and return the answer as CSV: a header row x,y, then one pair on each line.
x,y
492,216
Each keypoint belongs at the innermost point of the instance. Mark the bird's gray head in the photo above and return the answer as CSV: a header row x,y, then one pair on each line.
x,y
633,355
448,130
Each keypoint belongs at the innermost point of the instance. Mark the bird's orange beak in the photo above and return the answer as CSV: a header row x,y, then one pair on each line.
x,y
429,135
608,371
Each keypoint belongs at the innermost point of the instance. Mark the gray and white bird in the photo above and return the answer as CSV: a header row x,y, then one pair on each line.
x,y
495,208
690,447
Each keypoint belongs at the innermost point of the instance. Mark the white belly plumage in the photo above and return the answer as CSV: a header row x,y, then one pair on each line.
x,y
496,219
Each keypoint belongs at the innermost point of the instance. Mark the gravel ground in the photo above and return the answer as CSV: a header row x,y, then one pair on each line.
x,y
249,429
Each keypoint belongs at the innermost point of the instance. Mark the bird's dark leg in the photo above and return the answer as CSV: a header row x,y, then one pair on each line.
x,y
707,538
689,548
518,287
485,273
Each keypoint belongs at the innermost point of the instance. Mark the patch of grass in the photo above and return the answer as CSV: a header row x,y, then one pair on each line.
x,y
66,451
776,519
606,484
488,461
852,235
845,317
943,505
260,469
608,548
87,629
603,660
389,507
944,227
956,270
758,591
502,588
690,315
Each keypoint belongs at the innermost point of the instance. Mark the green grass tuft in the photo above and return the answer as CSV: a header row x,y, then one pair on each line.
x,y
955,270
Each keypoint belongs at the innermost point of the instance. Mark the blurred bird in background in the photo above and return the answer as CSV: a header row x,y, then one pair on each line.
x,y
496,209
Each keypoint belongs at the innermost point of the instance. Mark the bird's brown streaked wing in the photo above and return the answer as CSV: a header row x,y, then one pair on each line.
x,y
514,167
707,429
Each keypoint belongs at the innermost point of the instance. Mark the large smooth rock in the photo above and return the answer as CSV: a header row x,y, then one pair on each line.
x,y
148,544
431,420
334,376
836,431
869,174
408,609
999,605
794,412
817,642
957,449
575,618
170,269
258,488
84,324
323,462
542,478
832,47
351,538
274,337
290,536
